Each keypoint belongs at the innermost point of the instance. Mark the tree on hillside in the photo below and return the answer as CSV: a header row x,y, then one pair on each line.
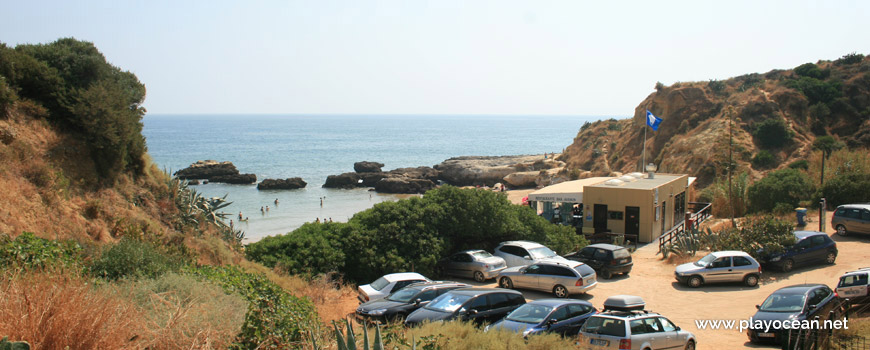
x,y
827,144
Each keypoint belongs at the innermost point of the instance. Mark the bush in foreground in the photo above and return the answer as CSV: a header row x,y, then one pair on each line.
x,y
134,259
786,187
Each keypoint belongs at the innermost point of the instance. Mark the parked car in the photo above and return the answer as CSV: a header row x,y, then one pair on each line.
x,y
397,306
855,286
606,259
522,253
725,266
624,324
560,278
793,303
387,284
560,316
479,305
811,247
851,218
477,264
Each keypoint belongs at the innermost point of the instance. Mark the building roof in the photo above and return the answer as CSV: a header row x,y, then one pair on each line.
x,y
568,191
642,184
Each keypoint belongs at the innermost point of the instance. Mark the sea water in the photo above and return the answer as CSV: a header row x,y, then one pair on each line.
x,y
315,146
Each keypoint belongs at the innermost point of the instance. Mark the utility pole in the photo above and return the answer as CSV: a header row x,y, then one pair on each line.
x,y
730,165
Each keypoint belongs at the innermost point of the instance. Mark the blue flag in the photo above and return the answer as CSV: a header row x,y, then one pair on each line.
x,y
652,120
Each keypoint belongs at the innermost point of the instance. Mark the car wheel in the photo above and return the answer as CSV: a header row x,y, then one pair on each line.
x,y
560,291
787,265
694,281
831,258
478,276
690,345
841,230
751,280
606,274
506,283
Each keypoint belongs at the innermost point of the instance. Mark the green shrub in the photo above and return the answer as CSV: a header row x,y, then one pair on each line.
x,y
847,188
799,164
850,58
763,160
716,86
816,90
773,132
132,258
275,318
28,251
788,186
812,71
410,235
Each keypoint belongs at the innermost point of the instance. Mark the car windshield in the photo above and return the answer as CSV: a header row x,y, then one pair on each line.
x,y
778,302
541,253
530,313
705,260
621,253
481,254
605,326
379,284
448,302
403,296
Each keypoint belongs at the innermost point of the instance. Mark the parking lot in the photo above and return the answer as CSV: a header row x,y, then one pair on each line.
x,y
653,279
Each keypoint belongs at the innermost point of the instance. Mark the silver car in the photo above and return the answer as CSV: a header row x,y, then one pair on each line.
x,y
560,278
477,264
725,266
628,326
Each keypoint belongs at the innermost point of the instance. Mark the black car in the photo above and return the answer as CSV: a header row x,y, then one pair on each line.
x,y
811,247
606,259
397,306
794,303
479,305
559,316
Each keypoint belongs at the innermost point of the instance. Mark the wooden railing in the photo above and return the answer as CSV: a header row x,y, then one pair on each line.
x,y
700,213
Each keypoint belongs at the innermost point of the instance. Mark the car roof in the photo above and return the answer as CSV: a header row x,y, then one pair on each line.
x,y
798,289
479,291
729,253
569,264
471,251
524,244
861,205
606,246
559,302
805,234
436,284
858,271
404,276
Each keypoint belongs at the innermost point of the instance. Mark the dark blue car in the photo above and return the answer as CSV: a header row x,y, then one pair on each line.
x,y
794,303
811,247
559,316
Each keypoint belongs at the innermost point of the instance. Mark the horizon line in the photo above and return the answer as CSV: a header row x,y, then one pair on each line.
x,y
389,114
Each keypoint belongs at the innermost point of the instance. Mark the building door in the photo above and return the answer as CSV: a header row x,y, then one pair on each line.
x,y
599,218
664,215
632,220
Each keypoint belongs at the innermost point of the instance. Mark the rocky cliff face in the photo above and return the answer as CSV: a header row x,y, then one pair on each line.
x,y
693,136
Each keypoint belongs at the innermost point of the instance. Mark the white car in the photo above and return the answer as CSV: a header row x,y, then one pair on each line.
x,y
625,325
522,253
387,284
855,286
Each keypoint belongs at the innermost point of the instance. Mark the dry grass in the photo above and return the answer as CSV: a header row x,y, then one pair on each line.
x,y
54,311
182,312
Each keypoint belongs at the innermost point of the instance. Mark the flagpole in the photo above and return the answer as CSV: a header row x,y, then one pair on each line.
x,y
643,162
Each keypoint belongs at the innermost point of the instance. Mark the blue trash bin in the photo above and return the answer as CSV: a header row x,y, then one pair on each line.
x,y
801,214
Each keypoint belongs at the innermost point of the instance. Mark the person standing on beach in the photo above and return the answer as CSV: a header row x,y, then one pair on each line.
x,y
267,208
276,202
263,211
321,202
240,216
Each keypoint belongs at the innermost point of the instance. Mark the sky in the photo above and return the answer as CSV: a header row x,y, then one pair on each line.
x,y
436,57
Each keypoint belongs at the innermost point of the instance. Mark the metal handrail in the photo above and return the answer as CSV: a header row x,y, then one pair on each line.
x,y
698,216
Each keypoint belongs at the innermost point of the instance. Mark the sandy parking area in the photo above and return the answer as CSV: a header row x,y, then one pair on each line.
x,y
653,279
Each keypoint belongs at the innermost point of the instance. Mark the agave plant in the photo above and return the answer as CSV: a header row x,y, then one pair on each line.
x,y
349,342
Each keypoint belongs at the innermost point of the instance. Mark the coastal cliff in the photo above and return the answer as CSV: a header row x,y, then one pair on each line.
x,y
812,100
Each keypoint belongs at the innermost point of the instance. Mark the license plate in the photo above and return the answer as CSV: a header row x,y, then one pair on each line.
x,y
765,335
598,342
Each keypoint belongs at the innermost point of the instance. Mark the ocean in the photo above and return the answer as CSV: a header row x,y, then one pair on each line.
x,y
315,146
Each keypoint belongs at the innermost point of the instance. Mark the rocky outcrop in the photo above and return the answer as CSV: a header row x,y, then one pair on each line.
x,y
403,185
236,179
207,169
367,167
523,179
423,172
346,181
282,184
487,171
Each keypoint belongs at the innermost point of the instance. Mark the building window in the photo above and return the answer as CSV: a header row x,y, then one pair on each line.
x,y
614,215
